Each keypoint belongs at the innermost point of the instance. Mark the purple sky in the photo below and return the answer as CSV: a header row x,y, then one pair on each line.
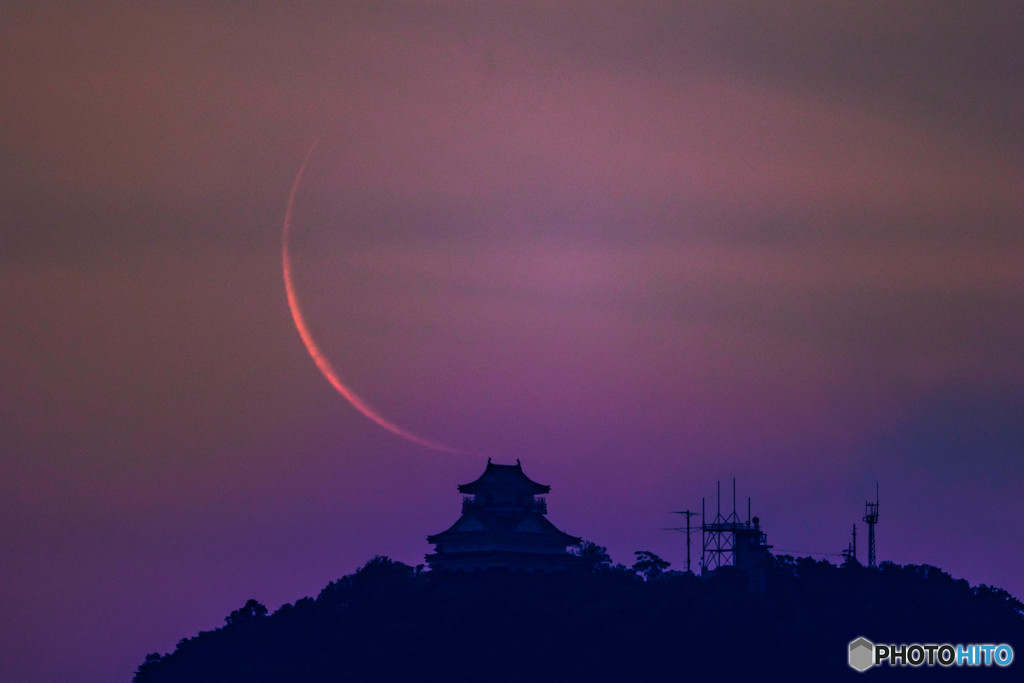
x,y
641,249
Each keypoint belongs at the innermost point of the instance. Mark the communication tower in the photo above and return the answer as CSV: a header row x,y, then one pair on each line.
x,y
850,554
871,518
688,530
729,541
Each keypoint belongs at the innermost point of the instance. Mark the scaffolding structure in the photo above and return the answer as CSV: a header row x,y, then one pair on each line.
x,y
724,535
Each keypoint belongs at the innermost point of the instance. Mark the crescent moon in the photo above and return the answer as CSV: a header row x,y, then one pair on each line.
x,y
315,352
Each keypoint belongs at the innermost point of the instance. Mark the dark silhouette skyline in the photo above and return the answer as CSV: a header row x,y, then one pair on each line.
x,y
501,596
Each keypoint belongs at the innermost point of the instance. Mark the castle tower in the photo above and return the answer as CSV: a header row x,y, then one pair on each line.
x,y
503,524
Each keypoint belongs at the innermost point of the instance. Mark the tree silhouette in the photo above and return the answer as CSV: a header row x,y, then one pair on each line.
x,y
593,557
250,611
649,566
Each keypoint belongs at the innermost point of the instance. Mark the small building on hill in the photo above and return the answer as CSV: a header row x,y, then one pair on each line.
x,y
503,525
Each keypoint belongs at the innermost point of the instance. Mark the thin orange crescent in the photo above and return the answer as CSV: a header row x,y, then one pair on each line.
x,y
318,356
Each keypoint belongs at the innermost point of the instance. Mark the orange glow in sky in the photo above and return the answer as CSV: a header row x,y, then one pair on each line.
x,y
314,350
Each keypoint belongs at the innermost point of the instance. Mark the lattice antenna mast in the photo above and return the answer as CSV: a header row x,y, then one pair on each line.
x,y
871,519
720,534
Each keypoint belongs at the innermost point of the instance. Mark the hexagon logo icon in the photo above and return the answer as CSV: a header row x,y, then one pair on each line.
x,y
862,654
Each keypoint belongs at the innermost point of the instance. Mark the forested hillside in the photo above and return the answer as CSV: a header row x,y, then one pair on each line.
x,y
392,622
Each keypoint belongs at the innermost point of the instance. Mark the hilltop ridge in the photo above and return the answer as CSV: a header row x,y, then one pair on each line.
x,y
392,622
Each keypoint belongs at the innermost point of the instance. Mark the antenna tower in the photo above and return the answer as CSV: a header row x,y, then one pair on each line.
x,y
720,534
686,530
871,518
850,554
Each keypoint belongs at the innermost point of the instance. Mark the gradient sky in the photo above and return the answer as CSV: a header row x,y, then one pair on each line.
x,y
642,249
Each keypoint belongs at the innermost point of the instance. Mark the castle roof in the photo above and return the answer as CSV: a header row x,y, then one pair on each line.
x,y
477,525
506,478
